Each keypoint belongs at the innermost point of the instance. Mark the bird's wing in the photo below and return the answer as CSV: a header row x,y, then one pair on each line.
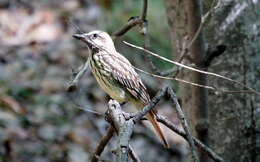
x,y
123,72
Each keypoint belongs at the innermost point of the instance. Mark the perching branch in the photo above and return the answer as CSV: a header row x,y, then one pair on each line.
x,y
125,129
122,117
152,104
164,91
115,117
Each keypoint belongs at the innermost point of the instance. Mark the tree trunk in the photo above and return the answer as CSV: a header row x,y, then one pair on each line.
x,y
233,123
184,18
232,116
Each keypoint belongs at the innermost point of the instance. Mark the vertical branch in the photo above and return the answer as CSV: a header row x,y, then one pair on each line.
x,y
198,114
146,36
184,124
145,33
144,11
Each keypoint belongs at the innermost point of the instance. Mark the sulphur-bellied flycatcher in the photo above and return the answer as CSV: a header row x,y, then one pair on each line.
x,y
115,74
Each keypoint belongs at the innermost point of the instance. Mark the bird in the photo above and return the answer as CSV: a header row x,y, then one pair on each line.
x,y
116,76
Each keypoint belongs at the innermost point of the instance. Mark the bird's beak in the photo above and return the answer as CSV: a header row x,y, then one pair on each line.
x,y
83,38
79,36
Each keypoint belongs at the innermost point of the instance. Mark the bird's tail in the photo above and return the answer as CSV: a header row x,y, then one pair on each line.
x,y
151,116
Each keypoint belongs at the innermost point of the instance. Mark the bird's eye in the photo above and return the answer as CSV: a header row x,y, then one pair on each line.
x,y
94,36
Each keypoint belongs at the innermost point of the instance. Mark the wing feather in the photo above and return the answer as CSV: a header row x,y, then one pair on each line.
x,y
123,72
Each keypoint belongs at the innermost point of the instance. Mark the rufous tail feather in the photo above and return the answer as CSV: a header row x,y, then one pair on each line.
x,y
151,116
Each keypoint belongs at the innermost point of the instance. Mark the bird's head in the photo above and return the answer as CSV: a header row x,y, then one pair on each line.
x,y
96,40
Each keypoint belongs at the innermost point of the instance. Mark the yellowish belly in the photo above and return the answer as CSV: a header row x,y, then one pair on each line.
x,y
112,90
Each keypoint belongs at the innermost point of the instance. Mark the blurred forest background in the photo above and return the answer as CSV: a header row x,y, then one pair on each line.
x,y
41,122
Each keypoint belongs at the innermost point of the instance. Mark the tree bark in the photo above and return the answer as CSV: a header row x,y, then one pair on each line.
x,y
232,116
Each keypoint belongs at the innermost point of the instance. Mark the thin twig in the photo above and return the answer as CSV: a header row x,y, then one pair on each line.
x,y
133,155
145,34
184,124
88,110
129,25
194,38
177,79
186,46
197,142
167,123
146,38
74,83
140,114
70,22
184,81
132,22
102,144
169,72
217,91
176,63
167,78
190,68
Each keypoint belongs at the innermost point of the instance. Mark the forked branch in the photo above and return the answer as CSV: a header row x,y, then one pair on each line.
x,y
134,118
